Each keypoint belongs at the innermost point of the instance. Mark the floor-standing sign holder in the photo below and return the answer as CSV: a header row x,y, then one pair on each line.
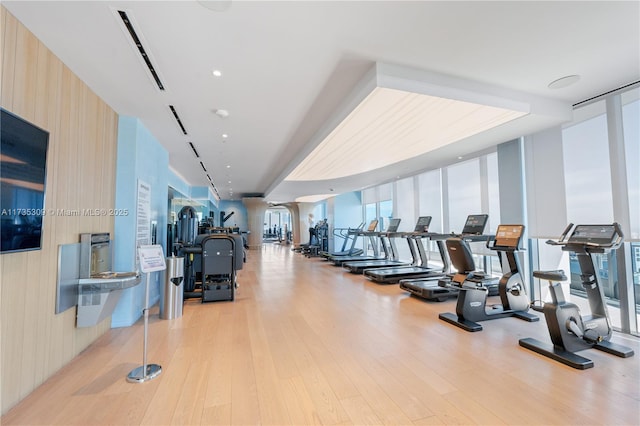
x,y
151,260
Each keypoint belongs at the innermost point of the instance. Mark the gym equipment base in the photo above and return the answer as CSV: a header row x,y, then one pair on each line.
x,y
472,326
571,359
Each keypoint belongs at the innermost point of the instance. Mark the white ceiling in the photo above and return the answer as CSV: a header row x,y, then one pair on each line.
x,y
292,69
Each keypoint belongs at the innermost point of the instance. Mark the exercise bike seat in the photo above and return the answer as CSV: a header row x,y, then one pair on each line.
x,y
557,275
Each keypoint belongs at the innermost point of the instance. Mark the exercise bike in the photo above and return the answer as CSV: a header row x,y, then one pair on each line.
x,y
570,332
471,306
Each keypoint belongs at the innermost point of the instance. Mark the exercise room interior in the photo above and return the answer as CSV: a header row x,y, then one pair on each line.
x,y
293,213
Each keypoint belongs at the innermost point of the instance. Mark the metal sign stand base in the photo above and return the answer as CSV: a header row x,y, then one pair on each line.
x,y
137,376
145,372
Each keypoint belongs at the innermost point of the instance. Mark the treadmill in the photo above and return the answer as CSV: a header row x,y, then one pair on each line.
x,y
389,246
419,268
351,236
438,288
371,234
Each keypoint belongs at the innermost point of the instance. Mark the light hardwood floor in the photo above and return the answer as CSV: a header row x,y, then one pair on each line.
x,y
305,343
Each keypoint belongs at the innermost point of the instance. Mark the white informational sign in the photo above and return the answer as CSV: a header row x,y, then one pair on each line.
x,y
143,216
151,258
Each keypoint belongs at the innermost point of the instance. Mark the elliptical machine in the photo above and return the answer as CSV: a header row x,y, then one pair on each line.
x,y
471,305
570,332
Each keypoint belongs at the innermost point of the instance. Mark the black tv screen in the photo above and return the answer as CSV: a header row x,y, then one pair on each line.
x,y
23,156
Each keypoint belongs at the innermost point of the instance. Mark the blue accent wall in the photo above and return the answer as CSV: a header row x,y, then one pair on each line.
x,y
177,183
200,192
347,213
348,210
206,201
239,217
140,157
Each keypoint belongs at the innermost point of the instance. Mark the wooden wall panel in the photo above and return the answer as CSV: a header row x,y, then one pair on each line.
x,y
25,66
3,37
81,164
9,29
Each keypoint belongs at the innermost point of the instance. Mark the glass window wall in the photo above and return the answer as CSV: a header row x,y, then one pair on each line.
x,y
370,214
493,191
430,198
631,132
589,193
585,145
586,167
635,270
464,193
405,207
386,212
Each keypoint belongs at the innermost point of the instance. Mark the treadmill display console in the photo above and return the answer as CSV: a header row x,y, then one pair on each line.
x,y
373,225
394,224
475,224
422,225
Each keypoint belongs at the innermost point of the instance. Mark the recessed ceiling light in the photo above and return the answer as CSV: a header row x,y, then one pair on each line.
x,y
224,135
564,82
229,181
460,158
217,73
228,166
223,113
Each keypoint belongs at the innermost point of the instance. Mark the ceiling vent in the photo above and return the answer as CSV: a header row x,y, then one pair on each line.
x,y
597,97
136,39
193,148
175,115
215,190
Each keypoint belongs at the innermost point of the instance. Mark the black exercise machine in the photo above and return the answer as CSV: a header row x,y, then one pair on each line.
x,y
571,332
318,240
437,286
210,266
471,305
349,238
370,233
389,246
419,268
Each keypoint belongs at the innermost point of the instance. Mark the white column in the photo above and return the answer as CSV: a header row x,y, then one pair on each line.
x,y
256,208
295,222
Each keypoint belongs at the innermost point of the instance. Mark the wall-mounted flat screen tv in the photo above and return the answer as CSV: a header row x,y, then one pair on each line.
x,y
23,156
